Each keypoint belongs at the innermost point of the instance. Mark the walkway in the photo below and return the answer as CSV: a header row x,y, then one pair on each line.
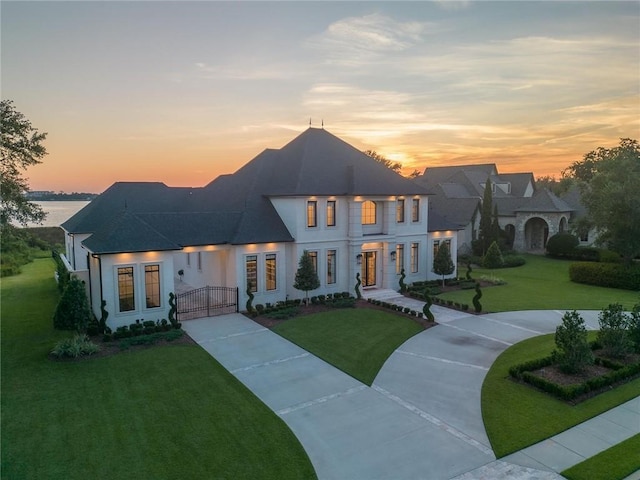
x,y
420,419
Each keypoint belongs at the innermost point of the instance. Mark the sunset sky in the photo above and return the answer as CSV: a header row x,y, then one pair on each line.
x,y
181,92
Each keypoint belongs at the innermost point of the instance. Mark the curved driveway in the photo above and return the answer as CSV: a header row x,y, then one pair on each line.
x,y
421,417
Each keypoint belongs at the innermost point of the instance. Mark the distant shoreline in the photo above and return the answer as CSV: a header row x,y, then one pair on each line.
x,y
61,196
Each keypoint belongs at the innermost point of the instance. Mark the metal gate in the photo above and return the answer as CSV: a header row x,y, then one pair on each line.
x,y
207,302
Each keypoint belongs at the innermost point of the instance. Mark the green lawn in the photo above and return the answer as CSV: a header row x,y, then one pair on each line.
x,y
541,284
357,341
166,412
617,462
516,415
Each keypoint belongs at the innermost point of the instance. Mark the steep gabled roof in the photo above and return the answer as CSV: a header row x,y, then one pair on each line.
x,y
544,201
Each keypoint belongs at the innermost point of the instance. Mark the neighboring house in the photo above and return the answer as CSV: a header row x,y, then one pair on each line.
x,y
529,216
137,242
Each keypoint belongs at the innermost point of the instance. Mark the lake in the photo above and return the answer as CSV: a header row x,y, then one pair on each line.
x,y
58,212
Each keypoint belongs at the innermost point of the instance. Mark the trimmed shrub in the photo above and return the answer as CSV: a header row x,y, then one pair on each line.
x,y
343,302
510,261
561,244
493,257
73,312
614,334
612,275
609,256
573,352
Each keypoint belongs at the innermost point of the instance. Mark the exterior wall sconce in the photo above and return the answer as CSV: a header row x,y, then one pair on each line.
x,y
359,258
393,256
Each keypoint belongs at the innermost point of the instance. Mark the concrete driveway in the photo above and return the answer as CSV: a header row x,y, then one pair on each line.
x,y
421,417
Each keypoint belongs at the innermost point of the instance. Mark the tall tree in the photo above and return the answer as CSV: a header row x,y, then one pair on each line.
x,y
486,217
306,276
391,165
442,263
21,147
495,226
608,180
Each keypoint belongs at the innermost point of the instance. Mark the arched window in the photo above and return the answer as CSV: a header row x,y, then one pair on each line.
x,y
368,213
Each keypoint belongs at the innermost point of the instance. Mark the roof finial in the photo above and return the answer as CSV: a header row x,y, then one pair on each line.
x,y
309,121
323,123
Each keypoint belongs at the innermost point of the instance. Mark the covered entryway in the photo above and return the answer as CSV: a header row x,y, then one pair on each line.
x,y
206,302
536,232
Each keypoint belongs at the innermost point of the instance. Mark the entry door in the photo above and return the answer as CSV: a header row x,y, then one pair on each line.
x,y
369,269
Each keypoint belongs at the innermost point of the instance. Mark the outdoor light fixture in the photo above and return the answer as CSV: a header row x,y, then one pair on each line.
x,y
393,256
359,258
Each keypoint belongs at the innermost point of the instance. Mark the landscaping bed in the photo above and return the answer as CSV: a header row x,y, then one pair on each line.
x,y
606,373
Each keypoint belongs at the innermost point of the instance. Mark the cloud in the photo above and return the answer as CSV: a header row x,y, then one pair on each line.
x,y
356,40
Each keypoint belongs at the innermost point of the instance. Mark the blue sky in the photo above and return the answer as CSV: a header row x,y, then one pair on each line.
x,y
181,92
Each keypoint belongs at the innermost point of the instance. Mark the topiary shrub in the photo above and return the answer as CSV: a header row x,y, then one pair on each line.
x,y
561,244
573,352
249,305
614,331
357,288
469,270
73,311
427,306
493,257
403,286
476,299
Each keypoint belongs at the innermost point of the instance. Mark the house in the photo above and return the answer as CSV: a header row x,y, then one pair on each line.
x,y
528,215
138,242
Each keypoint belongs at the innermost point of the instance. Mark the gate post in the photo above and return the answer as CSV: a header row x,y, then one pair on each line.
x,y
237,300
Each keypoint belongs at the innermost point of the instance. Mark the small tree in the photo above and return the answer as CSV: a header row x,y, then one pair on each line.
x,y
493,257
573,352
73,312
306,276
614,331
442,263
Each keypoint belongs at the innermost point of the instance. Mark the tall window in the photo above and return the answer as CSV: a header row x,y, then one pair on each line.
x,y
399,258
199,261
331,213
331,266
400,210
314,260
126,291
270,271
152,285
188,259
312,213
414,257
369,213
251,271
415,210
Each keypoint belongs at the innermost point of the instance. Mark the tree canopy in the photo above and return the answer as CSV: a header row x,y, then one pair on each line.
x,y
608,180
21,147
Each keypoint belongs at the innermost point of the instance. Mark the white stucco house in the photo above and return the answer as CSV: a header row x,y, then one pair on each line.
x,y
137,242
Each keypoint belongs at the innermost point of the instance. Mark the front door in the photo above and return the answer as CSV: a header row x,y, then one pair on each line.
x,y
369,269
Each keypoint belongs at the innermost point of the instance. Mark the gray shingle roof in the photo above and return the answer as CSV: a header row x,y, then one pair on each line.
x,y
232,209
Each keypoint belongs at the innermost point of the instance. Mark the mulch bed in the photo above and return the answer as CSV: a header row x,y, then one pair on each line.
x,y
311,309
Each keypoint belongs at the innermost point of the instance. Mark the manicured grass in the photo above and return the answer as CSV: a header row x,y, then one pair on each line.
x,y
541,284
164,412
357,341
516,415
615,463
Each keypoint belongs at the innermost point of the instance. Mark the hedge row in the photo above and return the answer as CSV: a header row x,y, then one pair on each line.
x,y
569,392
612,275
